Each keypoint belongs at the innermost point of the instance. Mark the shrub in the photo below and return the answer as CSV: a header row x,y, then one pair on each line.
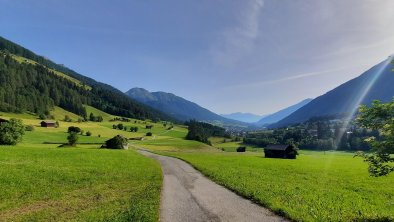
x,y
149,134
74,129
67,118
117,142
29,128
120,126
42,116
88,133
72,138
11,132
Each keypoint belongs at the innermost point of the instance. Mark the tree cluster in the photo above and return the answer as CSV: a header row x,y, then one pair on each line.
x,y
200,131
94,118
11,132
320,135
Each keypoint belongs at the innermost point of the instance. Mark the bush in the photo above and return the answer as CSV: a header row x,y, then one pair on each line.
x,y
148,134
117,142
29,128
120,126
67,118
88,133
74,129
72,138
11,132
241,149
42,116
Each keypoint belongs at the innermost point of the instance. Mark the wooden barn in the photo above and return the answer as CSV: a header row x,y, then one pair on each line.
x,y
280,151
47,123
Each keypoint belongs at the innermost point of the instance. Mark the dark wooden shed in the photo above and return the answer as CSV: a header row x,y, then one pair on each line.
x,y
3,120
280,151
47,123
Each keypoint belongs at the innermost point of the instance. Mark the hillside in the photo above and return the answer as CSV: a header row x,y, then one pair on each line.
x,y
29,82
275,117
244,117
374,84
177,107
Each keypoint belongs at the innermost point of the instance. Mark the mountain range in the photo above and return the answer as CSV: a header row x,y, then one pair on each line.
x,y
277,116
376,83
29,82
177,107
33,83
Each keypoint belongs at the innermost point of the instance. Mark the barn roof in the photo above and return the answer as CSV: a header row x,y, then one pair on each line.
x,y
48,121
277,147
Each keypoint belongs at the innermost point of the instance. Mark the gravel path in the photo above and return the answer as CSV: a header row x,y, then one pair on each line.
x,y
189,196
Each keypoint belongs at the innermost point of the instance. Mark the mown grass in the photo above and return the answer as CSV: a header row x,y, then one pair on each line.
x,y
232,146
314,187
173,145
44,183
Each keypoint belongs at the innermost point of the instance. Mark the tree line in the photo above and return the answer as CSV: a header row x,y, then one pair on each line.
x,y
201,131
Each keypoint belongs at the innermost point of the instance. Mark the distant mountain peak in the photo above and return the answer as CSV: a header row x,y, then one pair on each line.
x,y
281,114
176,106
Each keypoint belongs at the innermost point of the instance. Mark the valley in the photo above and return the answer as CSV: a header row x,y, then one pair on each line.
x,y
89,183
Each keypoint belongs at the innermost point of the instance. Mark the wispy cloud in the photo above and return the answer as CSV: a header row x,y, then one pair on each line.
x,y
297,76
238,40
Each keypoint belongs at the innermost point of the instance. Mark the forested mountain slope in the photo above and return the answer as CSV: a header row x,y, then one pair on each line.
x,y
375,84
36,88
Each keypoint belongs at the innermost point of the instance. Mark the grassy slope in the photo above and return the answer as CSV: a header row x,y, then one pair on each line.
x,y
59,114
97,112
77,82
85,183
315,187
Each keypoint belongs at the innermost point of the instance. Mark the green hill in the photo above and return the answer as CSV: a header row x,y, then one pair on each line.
x,y
29,82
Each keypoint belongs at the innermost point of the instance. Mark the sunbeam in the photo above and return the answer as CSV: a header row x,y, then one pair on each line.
x,y
356,104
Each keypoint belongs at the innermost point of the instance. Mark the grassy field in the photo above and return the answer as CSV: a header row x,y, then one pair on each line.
x,y
41,182
314,187
45,183
317,186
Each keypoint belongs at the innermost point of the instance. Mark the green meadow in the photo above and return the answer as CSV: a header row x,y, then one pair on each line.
x,y
43,182
317,186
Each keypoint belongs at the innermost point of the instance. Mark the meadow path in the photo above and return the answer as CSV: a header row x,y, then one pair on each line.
x,y
189,196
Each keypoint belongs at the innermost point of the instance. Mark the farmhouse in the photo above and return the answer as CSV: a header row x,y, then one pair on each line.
x,y
280,151
241,149
48,123
3,121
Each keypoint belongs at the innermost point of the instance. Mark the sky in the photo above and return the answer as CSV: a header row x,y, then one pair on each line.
x,y
255,56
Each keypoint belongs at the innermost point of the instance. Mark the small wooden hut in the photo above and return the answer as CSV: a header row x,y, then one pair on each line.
x,y
3,121
280,151
241,149
48,123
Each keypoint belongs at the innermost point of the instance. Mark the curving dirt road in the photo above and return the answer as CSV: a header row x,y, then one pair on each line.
x,y
189,196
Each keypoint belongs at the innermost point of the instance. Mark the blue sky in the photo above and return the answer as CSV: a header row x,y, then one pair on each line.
x,y
227,55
